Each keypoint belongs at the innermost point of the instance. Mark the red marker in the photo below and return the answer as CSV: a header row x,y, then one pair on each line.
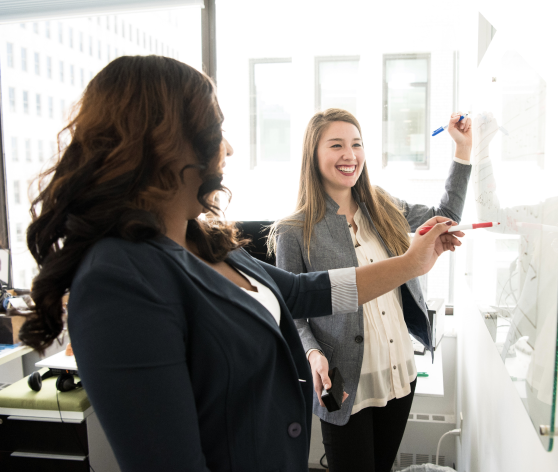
x,y
453,229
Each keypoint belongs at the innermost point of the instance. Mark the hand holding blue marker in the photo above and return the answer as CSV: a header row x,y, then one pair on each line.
x,y
442,128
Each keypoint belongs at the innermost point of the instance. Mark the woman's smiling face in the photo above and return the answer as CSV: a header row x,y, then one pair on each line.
x,y
340,156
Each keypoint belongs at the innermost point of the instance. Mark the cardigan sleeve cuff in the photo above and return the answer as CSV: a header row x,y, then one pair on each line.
x,y
462,161
344,294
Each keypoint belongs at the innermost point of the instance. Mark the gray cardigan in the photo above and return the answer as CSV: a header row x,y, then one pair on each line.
x,y
340,337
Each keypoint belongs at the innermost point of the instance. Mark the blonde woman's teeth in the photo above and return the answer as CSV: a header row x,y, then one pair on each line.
x,y
346,169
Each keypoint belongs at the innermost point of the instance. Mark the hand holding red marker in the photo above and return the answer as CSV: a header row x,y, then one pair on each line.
x,y
453,229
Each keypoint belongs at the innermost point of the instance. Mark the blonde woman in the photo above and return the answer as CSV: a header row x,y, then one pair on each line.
x,y
342,220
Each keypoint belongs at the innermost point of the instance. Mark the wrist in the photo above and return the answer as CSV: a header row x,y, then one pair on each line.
x,y
314,355
463,152
412,266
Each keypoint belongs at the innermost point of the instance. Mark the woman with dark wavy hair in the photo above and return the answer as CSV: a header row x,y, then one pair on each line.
x,y
185,344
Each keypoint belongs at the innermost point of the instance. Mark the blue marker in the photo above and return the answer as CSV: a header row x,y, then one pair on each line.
x,y
442,128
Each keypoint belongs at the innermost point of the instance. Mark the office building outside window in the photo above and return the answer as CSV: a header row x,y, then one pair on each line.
x,y
17,192
39,104
37,64
406,97
49,67
10,56
25,102
60,33
91,46
36,28
40,154
19,232
80,41
61,71
24,59
71,38
47,29
71,74
270,110
336,83
99,49
12,98
82,78
28,150
50,107
15,156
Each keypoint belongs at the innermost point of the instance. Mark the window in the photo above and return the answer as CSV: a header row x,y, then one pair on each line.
x,y
130,31
24,59
108,53
63,108
50,107
47,29
61,71
270,110
36,28
71,37
108,23
72,74
17,192
40,154
137,36
115,25
19,239
406,97
336,83
60,33
10,58
80,41
144,41
12,98
28,150
15,156
123,30
49,67
82,78
91,46
25,102
37,64
39,104
99,48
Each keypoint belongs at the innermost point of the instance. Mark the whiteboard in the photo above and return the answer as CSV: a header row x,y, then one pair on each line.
x,y
513,269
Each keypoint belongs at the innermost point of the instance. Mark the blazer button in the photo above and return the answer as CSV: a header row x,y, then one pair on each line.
x,y
359,339
294,430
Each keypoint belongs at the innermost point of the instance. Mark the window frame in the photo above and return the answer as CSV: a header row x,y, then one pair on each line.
x,y
386,57
253,103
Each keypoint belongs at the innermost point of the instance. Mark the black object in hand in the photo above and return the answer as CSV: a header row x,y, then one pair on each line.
x,y
333,397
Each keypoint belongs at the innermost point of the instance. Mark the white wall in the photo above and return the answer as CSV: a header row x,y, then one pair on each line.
x,y
498,435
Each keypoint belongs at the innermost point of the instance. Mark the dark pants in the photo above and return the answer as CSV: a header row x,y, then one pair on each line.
x,y
370,440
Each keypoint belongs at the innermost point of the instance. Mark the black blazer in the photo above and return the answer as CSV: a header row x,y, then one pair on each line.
x,y
185,370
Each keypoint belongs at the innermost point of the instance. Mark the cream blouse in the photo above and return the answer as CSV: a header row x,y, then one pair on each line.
x,y
388,364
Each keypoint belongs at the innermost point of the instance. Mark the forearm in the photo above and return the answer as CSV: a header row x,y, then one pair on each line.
x,y
382,277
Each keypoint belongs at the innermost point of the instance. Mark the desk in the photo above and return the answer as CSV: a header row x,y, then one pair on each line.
x,y
11,353
50,431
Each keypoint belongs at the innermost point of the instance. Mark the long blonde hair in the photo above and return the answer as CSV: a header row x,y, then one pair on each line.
x,y
311,203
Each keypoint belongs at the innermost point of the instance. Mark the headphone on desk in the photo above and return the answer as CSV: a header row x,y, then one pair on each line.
x,y
64,383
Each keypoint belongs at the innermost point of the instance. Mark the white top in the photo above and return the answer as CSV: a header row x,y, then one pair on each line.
x,y
264,296
388,364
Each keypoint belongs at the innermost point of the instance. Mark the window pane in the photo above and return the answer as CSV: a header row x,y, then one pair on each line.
x,y
273,111
338,84
406,102
38,101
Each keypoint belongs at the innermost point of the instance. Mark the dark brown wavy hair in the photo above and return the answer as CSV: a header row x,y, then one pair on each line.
x,y
131,126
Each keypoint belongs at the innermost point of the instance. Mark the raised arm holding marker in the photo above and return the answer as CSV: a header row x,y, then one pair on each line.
x,y
442,128
453,229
